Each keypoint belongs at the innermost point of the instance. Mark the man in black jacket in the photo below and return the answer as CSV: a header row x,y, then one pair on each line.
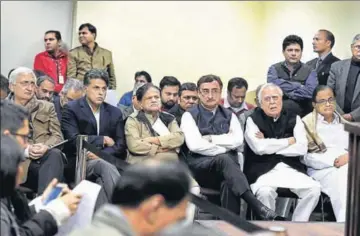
x,y
323,42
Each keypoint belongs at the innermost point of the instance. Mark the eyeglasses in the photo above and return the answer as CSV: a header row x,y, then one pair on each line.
x,y
268,99
357,47
26,84
207,92
325,101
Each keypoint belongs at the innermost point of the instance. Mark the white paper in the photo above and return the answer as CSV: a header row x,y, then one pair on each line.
x,y
84,213
111,97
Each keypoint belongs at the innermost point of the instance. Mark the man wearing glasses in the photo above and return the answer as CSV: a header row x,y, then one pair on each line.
x,y
43,163
187,98
213,135
276,140
344,80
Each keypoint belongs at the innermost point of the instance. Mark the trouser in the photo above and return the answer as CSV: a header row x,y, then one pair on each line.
x,y
104,174
300,108
221,172
42,171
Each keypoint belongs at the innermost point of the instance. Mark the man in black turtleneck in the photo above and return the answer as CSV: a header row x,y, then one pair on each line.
x,y
344,80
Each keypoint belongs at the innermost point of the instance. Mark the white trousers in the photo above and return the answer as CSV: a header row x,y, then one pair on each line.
x,y
283,176
334,184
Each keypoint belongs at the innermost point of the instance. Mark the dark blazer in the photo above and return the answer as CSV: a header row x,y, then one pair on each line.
x,y
324,68
78,119
58,108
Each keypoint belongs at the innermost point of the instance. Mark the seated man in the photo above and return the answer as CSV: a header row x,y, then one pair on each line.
x,y
146,201
328,155
103,125
43,162
236,93
141,77
187,98
296,79
276,140
213,134
45,87
344,79
135,107
73,89
169,87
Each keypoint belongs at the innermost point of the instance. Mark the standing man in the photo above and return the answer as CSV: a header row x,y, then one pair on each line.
x,y
323,42
141,77
296,79
45,87
169,87
90,55
236,93
344,80
187,98
53,61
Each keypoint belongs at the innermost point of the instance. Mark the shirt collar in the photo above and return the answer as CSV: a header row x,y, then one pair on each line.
x,y
95,112
336,120
324,56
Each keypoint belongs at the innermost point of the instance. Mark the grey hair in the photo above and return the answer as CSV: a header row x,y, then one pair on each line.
x,y
268,85
136,87
257,95
356,38
21,71
72,83
42,78
96,74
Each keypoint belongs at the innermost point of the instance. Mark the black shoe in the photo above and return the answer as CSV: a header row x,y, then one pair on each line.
x,y
266,213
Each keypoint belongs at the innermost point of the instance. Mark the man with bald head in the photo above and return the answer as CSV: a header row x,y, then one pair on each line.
x,y
276,139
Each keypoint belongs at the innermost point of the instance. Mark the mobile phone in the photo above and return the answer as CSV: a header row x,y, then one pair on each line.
x,y
59,144
55,193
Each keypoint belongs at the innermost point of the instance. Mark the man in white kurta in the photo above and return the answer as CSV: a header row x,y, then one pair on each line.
x,y
330,167
276,140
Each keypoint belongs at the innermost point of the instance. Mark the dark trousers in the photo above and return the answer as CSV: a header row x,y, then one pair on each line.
x,y
300,108
42,171
221,172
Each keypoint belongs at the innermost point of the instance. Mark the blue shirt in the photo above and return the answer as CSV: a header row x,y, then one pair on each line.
x,y
126,99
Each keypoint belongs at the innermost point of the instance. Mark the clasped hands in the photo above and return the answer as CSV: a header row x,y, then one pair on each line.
x,y
108,142
37,150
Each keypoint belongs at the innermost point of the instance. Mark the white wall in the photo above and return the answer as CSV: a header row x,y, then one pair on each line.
x,y
23,25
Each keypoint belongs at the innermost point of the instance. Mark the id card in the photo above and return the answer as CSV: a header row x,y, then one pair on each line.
x,y
61,79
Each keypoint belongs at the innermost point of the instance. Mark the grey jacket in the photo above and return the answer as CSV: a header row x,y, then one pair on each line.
x,y
337,81
108,221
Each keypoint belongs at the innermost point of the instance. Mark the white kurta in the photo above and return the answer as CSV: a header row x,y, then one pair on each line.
x,y
282,175
321,165
220,143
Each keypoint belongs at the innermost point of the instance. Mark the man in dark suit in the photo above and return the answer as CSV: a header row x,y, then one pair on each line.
x,y
344,79
323,42
104,126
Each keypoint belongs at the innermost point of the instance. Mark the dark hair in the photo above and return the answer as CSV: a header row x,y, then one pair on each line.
x,y
4,84
237,82
209,79
143,89
292,39
145,74
10,72
42,78
320,88
138,182
187,86
12,116
57,34
329,36
90,27
11,156
169,81
96,74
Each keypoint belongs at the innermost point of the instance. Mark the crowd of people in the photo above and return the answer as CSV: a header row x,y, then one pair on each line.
x,y
291,137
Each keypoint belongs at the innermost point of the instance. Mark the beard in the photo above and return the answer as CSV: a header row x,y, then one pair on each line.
x,y
168,105
236,104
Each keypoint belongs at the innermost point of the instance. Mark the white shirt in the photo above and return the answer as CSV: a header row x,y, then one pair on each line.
x,y
220,143
278,146
97,118
336,140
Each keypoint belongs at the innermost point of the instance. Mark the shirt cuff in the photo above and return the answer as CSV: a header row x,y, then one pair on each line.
x,y
58,210
26,152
